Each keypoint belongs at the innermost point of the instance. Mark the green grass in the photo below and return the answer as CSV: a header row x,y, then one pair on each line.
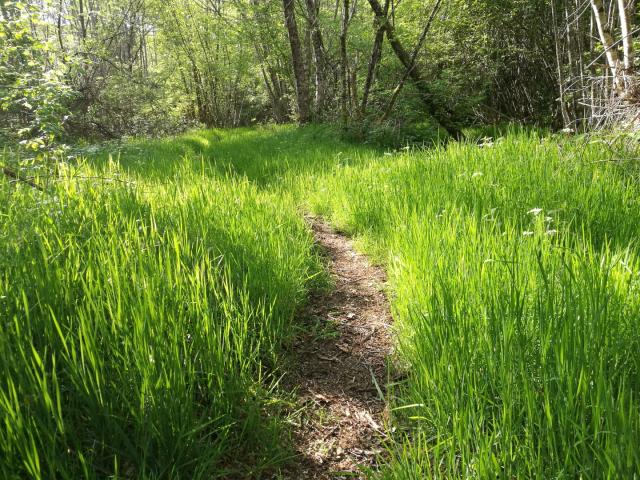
x,y
516,285
143,317
141,323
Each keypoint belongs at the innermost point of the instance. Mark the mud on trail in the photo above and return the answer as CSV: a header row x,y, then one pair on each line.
x,y
339,366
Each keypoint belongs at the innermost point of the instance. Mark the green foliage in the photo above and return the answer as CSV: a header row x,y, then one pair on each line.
x,y
141,317
397,133
220,77
34,99
144,313
132,105
153,67
514,271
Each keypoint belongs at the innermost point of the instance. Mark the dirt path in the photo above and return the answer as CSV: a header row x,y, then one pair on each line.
x,y
341,366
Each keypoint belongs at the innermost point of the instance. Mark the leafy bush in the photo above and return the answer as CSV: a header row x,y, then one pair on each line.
x,y
34,99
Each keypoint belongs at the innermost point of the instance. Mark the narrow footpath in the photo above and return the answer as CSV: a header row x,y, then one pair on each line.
x,y
340,366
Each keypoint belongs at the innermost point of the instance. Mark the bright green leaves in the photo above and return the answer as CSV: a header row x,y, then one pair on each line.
x,y
33,96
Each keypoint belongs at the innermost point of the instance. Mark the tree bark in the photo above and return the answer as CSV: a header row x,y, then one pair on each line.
x,y
376,54
626,30
559,62
83,27
318,55
440,113
611,50
353,85
344,66
59,25
414,57
297,58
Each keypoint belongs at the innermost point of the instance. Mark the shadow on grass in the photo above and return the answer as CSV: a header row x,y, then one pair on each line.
x,y
265,155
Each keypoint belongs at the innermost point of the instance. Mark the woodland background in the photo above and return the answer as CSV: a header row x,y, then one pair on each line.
x,y
389,71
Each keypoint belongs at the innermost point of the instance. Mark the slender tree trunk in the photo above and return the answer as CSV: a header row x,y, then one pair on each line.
x,y
279,91
344,66
571,54
626,29
376,54
580,28
83,27
200,100
59,24
439,112
353,86
274,94
611,50
297,58
414,57
308,56
559,62
318,54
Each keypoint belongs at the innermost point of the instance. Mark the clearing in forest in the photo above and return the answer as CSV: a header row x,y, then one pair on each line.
x,y
152,298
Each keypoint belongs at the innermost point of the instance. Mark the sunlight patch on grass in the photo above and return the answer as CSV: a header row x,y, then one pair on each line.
x,y
144,301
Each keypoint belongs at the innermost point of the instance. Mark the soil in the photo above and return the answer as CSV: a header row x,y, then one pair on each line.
x,y
340,366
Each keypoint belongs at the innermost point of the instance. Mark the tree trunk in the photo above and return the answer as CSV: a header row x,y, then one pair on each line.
x,y
344,66
611,50
559,62
297,58
414,57
376,54
353,85
626,29
440,113
83,27
272,84
59,25
318,54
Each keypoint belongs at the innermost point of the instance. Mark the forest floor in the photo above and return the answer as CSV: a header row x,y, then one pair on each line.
x,y
339,365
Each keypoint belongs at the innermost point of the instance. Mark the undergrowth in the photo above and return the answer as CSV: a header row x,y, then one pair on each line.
x,y
516,285
145,297
141,320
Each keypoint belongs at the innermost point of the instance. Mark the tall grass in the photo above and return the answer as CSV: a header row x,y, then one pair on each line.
x,y
143,314
515,277
141,322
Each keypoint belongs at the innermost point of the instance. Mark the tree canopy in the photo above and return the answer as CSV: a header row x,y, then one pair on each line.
x,y
124,67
